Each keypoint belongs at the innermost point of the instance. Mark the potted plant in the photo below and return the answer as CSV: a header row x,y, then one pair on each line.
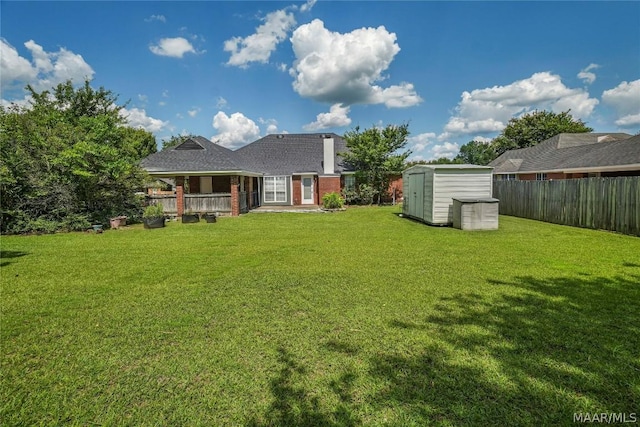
x,y
190,217
210,217
153,216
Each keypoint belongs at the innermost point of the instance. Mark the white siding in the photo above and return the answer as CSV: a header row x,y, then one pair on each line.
x,y
429,212
479,215
457,183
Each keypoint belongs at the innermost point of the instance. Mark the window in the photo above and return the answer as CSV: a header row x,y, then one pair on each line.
x,y
349,182
541,177
275,189
509,177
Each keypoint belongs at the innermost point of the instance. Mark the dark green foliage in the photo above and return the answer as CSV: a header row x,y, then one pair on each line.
x,y
364,194
68,161
376,155
533,128
332,201
521,132
153,211
476,153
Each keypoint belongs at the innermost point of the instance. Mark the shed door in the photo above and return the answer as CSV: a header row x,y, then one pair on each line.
x,y
416,190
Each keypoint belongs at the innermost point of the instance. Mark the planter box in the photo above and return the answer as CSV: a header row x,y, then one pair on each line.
x,y
210,217
157,222
190,218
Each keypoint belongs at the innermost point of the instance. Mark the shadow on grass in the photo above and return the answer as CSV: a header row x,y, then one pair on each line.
x,y
6,255
527,352
294,405
534,356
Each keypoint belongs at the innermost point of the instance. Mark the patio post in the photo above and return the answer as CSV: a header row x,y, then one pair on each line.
x,y
180,195
235,199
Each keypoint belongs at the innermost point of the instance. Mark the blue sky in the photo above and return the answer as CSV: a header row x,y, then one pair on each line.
x,y
236,71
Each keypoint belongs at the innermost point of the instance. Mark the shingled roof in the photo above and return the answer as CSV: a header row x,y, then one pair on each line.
x,y
286,154
196,154
572,152
277,154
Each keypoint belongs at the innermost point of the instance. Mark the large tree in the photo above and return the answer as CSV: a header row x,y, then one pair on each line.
x,y
476,153
521,132
376,155
535,127
68,160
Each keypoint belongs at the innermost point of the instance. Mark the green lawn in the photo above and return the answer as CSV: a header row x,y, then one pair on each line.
x,y
352,318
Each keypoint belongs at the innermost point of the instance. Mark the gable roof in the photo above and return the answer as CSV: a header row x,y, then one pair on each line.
x,y
287,154
573,152
277,154
196,154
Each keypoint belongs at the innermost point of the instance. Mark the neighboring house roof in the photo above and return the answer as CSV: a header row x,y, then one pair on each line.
x,y
278,154
569,152
196,154
286,154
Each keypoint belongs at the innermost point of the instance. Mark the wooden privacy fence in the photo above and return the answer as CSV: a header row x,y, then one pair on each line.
x,y
600,203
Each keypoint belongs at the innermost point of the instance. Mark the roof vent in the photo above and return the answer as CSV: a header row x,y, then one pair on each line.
x,y
280,136
189,144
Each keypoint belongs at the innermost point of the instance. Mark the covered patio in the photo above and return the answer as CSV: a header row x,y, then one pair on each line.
x,y
206,177
221,194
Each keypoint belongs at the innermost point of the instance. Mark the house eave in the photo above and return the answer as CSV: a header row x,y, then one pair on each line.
x,y
170,174
591,169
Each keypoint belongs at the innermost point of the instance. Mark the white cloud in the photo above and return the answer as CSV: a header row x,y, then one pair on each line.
x,y
336,117
344,68
47,69
628,121
152,18
448,149
272,125
482,139
143,98
165,93
138,118
307,6
586,75
174,47
489,109
13,67
194,111
625,99
235,130
258,47
421,141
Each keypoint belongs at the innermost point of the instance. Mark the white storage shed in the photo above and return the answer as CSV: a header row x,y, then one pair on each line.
x,y
429,190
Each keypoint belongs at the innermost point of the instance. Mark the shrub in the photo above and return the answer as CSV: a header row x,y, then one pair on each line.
x,y
153,211
332,201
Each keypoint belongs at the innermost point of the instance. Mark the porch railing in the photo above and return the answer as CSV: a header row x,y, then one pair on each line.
x,y
168,203
215,202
